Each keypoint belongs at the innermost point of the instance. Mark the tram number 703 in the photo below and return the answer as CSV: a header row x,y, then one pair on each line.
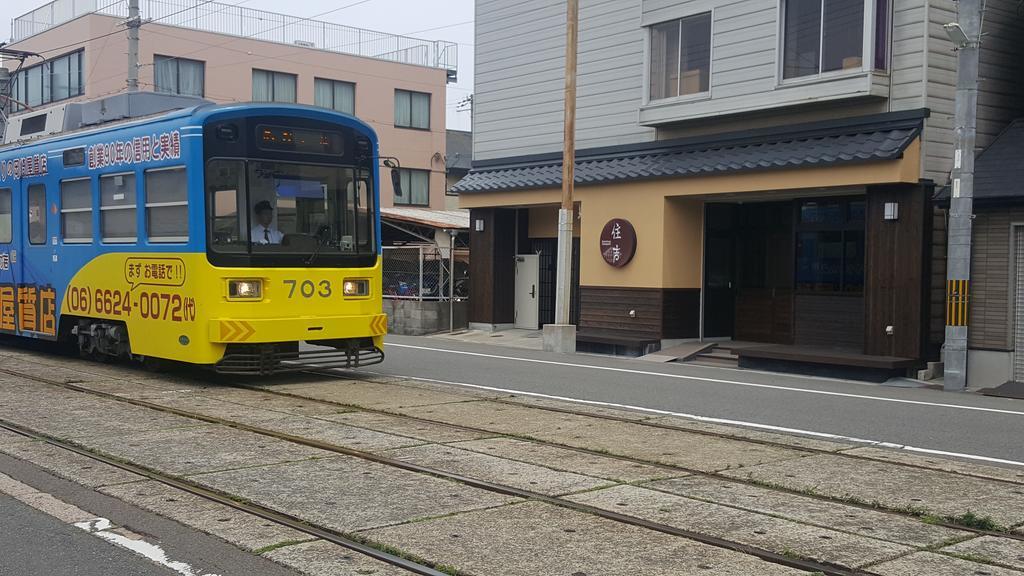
x,y
309,288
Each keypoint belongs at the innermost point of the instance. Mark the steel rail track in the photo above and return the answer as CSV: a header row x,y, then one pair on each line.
x,y
766,555
253,509
684,469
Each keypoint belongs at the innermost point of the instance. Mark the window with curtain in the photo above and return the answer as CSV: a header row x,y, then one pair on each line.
x,y
117,208
412,109
270,86
336,95
681,57
415,188
822,36
167,205
173,75
52,81
76,211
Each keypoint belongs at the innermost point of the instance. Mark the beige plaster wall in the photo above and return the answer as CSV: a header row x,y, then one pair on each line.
x,y
229,64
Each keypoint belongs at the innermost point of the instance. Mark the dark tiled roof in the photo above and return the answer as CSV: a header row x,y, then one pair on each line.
x,y
999,170
867,139
459,150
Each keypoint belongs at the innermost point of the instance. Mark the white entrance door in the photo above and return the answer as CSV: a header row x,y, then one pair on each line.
x,y
527,291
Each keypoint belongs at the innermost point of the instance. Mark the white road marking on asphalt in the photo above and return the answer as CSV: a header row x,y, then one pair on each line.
x,y
714,381
711,419
99,527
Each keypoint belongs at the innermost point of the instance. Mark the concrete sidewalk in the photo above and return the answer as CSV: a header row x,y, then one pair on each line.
x,y
844,506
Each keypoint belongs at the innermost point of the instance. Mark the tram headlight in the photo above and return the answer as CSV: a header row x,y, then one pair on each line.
x,y
356,288
245,289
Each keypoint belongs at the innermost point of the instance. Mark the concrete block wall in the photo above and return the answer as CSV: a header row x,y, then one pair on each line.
x,y
415,318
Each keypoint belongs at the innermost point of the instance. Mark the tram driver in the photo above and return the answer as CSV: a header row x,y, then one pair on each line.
x,y
264,231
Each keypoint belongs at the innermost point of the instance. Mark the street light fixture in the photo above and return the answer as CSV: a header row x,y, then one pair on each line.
x,y
957,35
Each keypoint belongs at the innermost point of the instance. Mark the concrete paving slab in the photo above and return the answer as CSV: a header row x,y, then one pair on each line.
x,y
581,408
371,394
273,402
930,564
349,494
498,470
756,435
200,450
413,428
870,523
569,460
533,538
56,371
80,414
949,465
764,532
333,433
69,465
674,447
321,558
1004,551
10,439
243,530
894,486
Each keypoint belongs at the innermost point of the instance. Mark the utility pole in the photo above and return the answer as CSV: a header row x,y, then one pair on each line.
x,y
966,34
561,337
133,23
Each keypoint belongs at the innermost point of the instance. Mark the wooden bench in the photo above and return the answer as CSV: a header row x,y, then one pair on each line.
x,y
824,361
625,344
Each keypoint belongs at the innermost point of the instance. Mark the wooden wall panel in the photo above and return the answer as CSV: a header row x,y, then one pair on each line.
x,y
895,287
608,310
991,307
830,320
680,313
492,269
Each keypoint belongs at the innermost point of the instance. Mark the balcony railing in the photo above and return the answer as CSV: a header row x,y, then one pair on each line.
x,y
249,23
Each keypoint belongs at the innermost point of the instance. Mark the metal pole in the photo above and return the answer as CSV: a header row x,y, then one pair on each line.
x,y
133,23
961,207
420,287
563,290
451,281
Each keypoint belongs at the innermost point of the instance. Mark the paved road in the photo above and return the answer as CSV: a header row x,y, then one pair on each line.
x,y
32,542
961,423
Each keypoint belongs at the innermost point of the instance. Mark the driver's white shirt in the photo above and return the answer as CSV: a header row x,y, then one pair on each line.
x,y
263,235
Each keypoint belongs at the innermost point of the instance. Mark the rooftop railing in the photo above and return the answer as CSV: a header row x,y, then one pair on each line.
x,y
255,24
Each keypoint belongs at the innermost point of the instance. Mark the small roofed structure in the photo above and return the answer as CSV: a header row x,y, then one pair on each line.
x,y
406,225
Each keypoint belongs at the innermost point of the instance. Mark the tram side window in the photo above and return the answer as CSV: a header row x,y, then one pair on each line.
x,y
5,216
167,205
117,208
76,211
37,214
225,179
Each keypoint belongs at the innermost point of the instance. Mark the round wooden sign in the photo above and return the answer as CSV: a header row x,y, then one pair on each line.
x,y
618,242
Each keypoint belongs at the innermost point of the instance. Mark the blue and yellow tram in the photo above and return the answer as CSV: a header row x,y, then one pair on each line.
x,y
242,237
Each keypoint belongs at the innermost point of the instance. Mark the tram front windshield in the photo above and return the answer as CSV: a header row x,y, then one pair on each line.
x,y
272,207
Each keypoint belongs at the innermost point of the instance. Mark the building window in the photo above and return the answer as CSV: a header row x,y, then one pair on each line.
x,y
412,109
830,252
821,36
415,188
167,205
273,86
681,57
76,211
37,214
6,222
52,81
172,75
117,208
340,96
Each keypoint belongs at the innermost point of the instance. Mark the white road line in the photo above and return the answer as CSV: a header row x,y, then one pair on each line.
x,y
715,381
725,421
99,527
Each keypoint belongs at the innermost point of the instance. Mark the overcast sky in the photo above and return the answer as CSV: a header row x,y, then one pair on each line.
x,y
431,19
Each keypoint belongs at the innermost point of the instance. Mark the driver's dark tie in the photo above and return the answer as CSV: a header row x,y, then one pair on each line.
x,y
266,236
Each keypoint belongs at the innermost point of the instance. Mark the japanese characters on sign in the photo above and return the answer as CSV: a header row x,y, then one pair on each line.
x,y
154,272
5,261
165,146
618,242
28,308
26,167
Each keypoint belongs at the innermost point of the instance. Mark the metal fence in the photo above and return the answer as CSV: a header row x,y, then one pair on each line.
x,y
249,23
425,273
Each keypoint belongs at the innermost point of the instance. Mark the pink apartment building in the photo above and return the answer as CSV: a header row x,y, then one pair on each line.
x,y
227,53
